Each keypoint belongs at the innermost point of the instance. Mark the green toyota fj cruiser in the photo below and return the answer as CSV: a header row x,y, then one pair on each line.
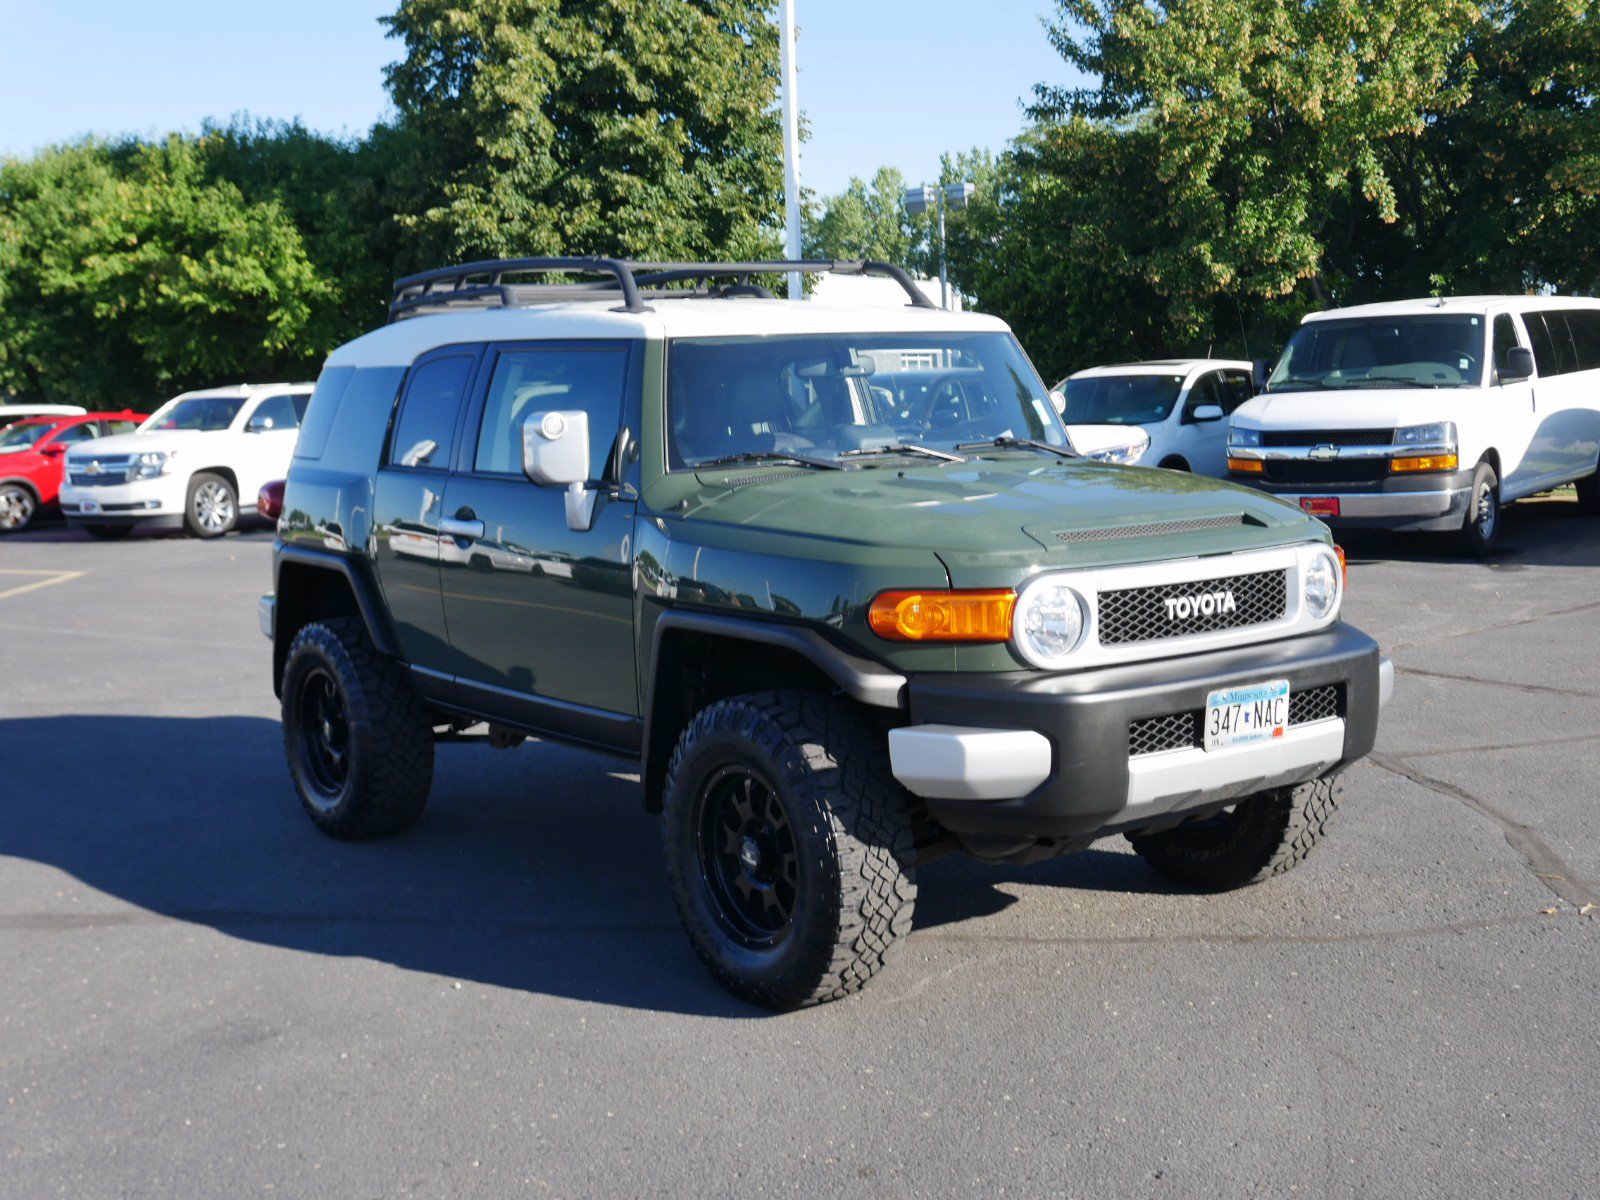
x,y
832,577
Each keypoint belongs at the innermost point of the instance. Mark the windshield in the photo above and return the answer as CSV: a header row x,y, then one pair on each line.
x,y
1422,351
23,434
825,395
205,413
1121,399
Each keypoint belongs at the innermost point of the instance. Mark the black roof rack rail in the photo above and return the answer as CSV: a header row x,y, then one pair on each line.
x,y
483,284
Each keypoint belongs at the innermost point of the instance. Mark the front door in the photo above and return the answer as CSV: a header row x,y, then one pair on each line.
x,y
1514,416
540,614
408,499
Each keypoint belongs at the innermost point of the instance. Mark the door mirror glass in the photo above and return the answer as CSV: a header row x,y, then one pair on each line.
x,y
1517,366
259,423
1059,399
555,447
1208,412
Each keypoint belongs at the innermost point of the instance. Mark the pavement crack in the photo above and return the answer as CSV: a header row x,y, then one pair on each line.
x,y
1536,688
1498,746
1544,863
1460,633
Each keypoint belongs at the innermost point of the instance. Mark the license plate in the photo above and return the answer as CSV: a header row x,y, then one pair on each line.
x,y
1245,715
89,506
1320,506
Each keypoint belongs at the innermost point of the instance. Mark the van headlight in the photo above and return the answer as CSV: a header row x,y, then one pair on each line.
x,y
152,463
1320,584
1239,435
1440,433
1048,624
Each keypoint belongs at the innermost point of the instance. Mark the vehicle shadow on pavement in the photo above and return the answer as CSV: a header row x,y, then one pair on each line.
x,y
533,869
959,889
1544,531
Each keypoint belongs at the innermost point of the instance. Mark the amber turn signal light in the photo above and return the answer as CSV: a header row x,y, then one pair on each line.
x,y
1425,462
1247,466
1344,567
962,615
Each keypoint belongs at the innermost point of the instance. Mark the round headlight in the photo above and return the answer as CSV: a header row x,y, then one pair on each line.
x,y
1049,622
1322,585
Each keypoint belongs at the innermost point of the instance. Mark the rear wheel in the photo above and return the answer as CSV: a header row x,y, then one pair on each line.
x,y
789,846
213,506
17,506
1480,532
358,737
1256,839
107,533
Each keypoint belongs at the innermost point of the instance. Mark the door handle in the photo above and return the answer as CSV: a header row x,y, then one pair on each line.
x,y
457,527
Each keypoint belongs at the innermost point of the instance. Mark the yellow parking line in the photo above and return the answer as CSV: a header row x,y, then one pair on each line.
x,y
53,577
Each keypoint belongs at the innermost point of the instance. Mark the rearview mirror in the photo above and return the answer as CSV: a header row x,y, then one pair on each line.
x,y
1209,412
1518,365
1059,399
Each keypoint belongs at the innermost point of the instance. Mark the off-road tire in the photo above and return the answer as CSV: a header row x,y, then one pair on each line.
x,y
197,523
1260,837
107,533
18,506
387,740
1480,531
1589,495
850,825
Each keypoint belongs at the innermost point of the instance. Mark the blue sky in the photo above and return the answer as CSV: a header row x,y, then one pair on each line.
x,y
882,81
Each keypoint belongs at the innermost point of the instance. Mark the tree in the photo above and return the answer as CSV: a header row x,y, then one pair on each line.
x,y
125,275
865,222
638,127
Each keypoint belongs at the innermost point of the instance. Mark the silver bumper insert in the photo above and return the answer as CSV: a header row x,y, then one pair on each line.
x,y
955,762
266,607
1163,783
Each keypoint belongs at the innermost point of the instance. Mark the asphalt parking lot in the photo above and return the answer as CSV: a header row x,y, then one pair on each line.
x,y
204,997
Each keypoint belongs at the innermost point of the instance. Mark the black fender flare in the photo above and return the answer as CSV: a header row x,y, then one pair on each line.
x,y
364,590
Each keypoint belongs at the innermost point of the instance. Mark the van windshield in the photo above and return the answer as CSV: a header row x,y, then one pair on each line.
x,y
826,395
1121,399
1443,351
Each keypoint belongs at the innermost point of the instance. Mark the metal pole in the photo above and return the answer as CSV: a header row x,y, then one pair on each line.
x,y
944,279
791,143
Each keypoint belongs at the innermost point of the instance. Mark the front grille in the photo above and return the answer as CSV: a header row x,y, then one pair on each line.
x,y
1336,470
114,468
1327,437
1142,614
1185,730
1160,529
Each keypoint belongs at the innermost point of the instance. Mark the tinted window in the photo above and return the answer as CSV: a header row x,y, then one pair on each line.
x,y
530,381
1505,340
209,414
318,421
280,410
427,426
1544,347
1207,390
1561,338
1584,325
77,433
301,402
1237,389
1121,399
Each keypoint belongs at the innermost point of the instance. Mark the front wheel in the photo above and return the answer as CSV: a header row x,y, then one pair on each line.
x,y
1256,839
788,846
1480,532
17,506
213,506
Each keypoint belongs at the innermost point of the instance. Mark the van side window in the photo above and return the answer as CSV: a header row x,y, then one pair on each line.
x,y
1207,389
1544,346
1585,326
1505,340
530,381
426,431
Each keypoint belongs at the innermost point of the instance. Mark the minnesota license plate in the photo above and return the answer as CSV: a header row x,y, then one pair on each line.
x,y
1245,715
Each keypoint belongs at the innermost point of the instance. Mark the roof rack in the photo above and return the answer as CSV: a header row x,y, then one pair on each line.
x,y
483,284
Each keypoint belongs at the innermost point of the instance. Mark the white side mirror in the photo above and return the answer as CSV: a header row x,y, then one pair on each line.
x,y
1059,399
1209,412
555,447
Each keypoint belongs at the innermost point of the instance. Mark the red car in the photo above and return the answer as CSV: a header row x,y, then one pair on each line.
x,y
33,455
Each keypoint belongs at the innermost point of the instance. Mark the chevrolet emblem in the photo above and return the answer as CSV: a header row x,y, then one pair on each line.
x,y
1323,453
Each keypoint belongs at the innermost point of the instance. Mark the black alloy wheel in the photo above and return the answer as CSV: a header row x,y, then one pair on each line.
x,y
324,736
747,856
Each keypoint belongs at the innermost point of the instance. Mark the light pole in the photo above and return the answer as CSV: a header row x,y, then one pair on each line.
x,y
791,143
953,195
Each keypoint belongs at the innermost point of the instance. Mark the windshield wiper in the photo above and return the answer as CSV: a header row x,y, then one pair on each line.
x,y
1024,443
903,448
1407,380
758,456
1290,385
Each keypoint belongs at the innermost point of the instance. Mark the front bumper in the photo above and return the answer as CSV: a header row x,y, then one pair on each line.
x,y
1072,774
1415,502
160,500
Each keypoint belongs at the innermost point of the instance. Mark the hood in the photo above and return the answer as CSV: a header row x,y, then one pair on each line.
x,y
1087,439
133,443
1358,408
997,514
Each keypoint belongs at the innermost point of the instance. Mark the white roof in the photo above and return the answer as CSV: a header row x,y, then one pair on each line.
x,y
402,342
1165,366
41,410
1444,304
245,390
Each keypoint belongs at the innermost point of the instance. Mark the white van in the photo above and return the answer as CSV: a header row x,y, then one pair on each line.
x,y
1170,412
1429,414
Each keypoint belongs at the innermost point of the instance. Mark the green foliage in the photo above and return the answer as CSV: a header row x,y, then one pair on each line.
x,y
864,222
638,127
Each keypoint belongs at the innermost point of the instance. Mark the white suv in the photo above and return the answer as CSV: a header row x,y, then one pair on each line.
x,y
191,465
1429,414
1165,413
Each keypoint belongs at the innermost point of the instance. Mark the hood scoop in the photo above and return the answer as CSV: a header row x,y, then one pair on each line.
x,y
1114,533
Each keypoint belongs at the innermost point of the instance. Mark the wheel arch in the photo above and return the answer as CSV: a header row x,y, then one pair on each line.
x,y
312,585
22,481
1176,462
227,473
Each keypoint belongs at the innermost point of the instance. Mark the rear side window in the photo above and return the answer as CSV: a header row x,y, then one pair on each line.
x,y
530,381
280,410
1584,325
1544,346
77,433
425,433
320,411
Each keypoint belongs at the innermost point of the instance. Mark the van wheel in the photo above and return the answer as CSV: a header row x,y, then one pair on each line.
x,y
788,846
213,506
1480,532
17,506
1589,495
1256,839
358,737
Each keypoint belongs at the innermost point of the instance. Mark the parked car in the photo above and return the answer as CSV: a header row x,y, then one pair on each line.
x,y
1169,413
1429,414
10,414
189,465
835,633
32,457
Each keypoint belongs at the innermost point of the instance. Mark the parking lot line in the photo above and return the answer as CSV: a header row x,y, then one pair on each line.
x,y
51,578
